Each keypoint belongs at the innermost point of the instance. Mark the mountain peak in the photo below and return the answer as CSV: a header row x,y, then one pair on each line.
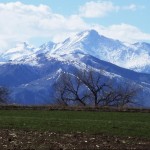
x,y
93,32
46,47
22,49
88,33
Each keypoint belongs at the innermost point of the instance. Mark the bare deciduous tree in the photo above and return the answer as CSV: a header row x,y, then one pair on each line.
x,y
90,87
96,84
69,90
124,94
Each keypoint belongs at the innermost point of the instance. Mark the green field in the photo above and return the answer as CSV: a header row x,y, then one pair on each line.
x,y
112,123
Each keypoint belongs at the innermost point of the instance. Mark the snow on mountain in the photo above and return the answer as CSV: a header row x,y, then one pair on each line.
x,y
45,47
140,57
131,56
31,72
134,56
21,50
34,84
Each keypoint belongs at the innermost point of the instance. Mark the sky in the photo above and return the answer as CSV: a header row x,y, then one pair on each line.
x,y
40,21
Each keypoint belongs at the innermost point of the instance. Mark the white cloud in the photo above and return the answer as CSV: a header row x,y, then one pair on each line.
x,y
131,7
123,32
21,22
97,9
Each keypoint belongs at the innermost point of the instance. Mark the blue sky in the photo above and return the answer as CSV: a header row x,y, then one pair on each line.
x,y
38,21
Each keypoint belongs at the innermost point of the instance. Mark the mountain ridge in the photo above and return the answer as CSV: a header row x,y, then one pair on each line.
x,y
32,75
135,56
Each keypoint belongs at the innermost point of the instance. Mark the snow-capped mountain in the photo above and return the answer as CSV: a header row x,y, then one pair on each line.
x,y
31,72
45,47
131,56
134,56
21,50
34,84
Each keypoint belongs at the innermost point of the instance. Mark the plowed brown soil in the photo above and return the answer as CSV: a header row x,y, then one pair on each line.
x,y
36,140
